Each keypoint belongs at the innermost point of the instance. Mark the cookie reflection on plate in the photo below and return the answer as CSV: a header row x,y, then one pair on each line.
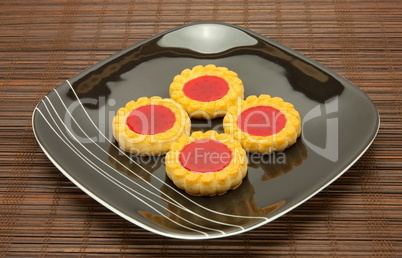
x,y
278,163
210,212
130,164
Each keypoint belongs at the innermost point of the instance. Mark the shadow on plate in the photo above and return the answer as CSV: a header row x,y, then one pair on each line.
x,y
235,208
130,164
278,163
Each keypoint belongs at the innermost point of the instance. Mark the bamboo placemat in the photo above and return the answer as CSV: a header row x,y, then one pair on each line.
x,y
44,42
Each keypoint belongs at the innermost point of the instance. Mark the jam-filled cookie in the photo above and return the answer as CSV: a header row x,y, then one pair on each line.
x,y
149,126
263,124
206,91
206,164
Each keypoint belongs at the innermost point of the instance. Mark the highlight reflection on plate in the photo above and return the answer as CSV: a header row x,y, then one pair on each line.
x,y
72,124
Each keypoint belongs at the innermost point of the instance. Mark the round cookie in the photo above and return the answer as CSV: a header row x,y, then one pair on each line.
x,y
149,126
207,91
263,124
206,164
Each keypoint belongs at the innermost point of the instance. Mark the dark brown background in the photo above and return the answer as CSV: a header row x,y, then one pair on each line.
x,y
44,42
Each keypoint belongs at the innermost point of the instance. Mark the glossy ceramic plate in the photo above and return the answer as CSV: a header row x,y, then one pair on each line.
x,y
73,126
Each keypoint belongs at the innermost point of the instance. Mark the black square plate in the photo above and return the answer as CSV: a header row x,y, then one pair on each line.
x,y
73,126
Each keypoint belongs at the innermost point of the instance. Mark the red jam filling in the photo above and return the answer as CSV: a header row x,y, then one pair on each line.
x,y
205,156
261,121
206,88
151,119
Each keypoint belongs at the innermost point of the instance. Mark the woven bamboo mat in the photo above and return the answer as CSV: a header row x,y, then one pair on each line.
x,y
44,42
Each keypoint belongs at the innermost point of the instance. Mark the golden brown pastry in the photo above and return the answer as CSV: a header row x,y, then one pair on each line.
x,y
263,124
149,126
206,164
206,91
